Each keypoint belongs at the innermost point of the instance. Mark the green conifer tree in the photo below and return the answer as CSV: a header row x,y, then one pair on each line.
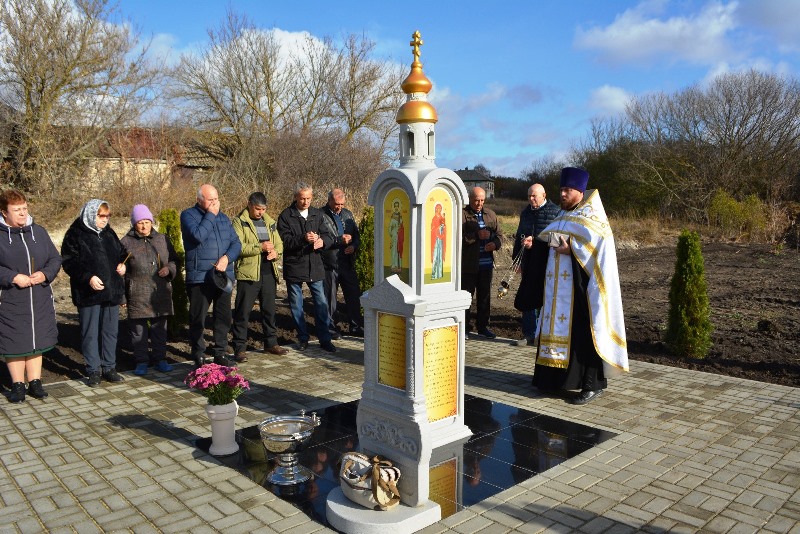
x,y
689,327
365,259
169,224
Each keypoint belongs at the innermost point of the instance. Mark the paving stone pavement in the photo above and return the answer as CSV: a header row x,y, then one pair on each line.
x,y
695,452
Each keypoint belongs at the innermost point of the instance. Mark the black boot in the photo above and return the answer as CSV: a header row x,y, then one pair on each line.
x,y
17,392
36,390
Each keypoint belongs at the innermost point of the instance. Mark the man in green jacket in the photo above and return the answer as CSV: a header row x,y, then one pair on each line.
x,y
256,275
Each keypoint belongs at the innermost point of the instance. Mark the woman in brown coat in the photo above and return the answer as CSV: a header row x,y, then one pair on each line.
x,y
151,262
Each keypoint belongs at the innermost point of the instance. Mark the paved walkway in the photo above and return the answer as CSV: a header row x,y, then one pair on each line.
x,y
695,452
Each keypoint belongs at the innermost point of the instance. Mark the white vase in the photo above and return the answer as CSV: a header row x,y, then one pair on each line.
x,y
223,429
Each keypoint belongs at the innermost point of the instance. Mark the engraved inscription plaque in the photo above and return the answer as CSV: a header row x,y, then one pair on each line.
x,y
443,486
392,350
440,361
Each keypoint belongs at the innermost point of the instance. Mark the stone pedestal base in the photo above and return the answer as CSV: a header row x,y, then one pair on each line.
x,y
348,517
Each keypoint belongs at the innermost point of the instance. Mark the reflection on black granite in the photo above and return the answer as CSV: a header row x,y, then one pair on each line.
x,y
508,445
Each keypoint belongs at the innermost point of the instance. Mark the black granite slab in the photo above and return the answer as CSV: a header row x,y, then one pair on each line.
x,y
508,446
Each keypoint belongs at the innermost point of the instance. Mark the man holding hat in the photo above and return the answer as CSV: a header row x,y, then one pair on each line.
x,y
581,331
256,275
211,249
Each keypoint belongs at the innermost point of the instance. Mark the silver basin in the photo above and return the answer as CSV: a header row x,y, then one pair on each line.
x,y
284,436
285,433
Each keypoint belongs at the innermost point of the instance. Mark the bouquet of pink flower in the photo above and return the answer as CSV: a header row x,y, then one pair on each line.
x,y
218,383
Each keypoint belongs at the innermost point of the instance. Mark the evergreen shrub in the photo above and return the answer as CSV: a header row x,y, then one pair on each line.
x,y
365,258
169,224
689,326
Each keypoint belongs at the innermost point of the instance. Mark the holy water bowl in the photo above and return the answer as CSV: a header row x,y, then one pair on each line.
x,y
284,436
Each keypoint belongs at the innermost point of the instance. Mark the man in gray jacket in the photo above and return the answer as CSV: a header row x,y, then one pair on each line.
x,y
339,262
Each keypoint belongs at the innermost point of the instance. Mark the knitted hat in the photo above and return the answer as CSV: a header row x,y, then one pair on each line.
x,y
139,213
574,178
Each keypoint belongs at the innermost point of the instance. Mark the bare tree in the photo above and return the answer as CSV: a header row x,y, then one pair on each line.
x,y
71,73
740,134
238,85
314,65
282,112
365,90
481,169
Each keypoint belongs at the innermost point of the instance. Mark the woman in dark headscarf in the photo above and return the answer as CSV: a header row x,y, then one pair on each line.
x,y
93,259
29,262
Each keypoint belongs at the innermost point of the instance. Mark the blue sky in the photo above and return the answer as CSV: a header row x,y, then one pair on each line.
x,y
516,81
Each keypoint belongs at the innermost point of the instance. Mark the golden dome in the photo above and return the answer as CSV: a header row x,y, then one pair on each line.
x,y
416,81
416,111
416,108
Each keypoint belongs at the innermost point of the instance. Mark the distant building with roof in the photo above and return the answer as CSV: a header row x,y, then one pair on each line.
x,y
473,178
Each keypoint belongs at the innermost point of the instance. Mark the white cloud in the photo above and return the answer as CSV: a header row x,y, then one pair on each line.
x,y
779,18
638,36
162,47
760,64
609,100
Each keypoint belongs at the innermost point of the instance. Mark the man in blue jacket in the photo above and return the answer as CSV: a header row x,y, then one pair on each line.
x,y
211,247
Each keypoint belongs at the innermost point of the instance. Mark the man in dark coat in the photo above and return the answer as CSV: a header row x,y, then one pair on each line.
x,y
481,237
534,218
305,236
211,247
339,262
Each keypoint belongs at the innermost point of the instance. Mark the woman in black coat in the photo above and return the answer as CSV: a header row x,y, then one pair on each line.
x,y
29,262
93,258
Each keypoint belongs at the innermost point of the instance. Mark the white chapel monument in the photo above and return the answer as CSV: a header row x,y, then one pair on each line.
x,y
413,394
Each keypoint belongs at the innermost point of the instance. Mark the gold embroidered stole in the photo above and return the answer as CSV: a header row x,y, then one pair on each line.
x,y
592,244
556,315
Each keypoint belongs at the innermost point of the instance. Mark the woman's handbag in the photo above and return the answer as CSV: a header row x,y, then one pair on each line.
x,y
370,482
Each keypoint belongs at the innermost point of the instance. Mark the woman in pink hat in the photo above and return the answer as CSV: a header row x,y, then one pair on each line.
x,y
152,265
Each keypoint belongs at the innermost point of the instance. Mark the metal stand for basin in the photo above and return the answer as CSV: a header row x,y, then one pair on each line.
x,y
288,472
285,435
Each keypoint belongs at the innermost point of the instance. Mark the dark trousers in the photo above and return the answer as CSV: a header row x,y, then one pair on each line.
x,y
155,333
99,325
201,296
246,294
482,283
347,279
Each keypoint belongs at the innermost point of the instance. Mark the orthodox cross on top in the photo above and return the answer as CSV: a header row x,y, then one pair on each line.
x,y
416,43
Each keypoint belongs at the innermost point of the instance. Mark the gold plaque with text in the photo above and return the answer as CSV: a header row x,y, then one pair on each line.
x,y
440,360
392,350
443,486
